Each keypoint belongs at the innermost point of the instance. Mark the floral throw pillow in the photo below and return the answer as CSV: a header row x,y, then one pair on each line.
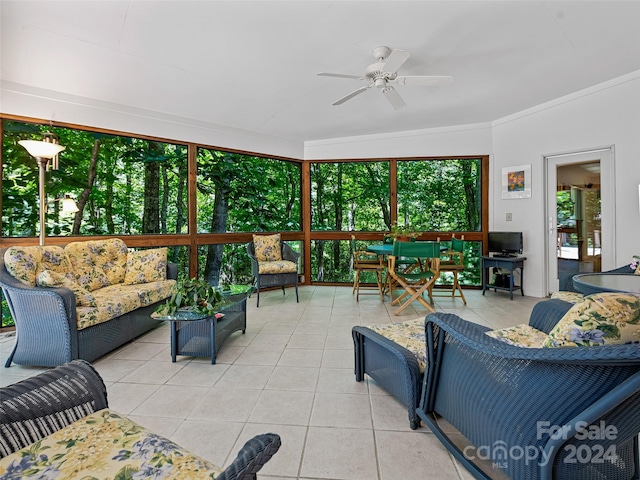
x,y
520,336
146,266
51,279
635,264
606,318
267,247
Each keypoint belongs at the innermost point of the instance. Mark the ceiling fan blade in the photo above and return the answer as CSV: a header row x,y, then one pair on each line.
x,y
351,95
395,61
394,98
426,80
339,75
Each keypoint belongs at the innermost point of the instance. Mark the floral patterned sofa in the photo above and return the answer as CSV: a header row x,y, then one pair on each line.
x,y
58,425
83,300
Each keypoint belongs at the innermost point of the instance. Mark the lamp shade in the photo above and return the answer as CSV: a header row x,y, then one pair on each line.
x,y
41,149
69,205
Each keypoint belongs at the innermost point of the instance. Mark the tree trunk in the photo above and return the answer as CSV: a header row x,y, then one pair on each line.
x,y
218,225
151,213
165,199
84,196
108,207
181,210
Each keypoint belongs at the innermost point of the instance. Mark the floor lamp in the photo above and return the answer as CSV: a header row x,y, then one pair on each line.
x,y
43,151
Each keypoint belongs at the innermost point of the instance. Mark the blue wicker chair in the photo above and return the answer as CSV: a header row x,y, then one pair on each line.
x,y
397,370
263,280
34,408
495,395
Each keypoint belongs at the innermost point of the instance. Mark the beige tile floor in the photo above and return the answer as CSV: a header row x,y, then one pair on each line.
x,y
292,374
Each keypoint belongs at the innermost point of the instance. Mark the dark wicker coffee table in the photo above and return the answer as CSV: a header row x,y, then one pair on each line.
x,y
201,335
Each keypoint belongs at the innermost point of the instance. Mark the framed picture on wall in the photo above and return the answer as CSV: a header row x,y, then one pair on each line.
x,y
516,181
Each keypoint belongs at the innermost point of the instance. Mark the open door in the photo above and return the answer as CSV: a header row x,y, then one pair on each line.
x,y
580,215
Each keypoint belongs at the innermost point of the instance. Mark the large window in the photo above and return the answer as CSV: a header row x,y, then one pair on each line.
x,y
122,185
440,195
243,193
348,196
203,203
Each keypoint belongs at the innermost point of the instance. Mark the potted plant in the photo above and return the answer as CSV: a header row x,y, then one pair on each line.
x,y
403,233
192,295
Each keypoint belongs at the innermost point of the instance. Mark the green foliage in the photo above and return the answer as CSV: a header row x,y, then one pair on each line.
x,y
261,194
193,295
350,196
440,195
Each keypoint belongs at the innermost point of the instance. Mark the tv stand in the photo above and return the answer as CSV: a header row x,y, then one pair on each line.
x,y
505,262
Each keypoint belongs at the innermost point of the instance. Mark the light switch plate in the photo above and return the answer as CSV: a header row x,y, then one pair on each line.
x,y
509,217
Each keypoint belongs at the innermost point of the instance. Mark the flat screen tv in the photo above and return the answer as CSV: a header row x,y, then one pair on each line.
x,y
505,243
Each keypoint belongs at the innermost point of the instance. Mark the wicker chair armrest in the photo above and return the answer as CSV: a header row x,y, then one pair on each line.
x,y
40,405
473,336
172,271
403,355
251,458
289,254
546,314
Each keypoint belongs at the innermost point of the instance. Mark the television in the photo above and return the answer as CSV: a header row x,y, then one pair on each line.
x,y
505,243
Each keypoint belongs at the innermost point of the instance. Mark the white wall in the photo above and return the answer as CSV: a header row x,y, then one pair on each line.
x,y
608,114
457,140
38,103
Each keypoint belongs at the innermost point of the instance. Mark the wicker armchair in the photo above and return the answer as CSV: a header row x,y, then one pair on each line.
x,y
37,407
263,280
508,400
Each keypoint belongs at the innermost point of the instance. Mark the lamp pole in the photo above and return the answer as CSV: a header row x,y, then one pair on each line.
x,y
42,151
42,165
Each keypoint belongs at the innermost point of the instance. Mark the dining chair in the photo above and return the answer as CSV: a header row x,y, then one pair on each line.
x,y
419,280
364,261
452,260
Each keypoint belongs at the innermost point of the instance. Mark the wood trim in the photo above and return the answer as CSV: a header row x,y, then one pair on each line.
x,y
192,208
20,118
306,220
193,239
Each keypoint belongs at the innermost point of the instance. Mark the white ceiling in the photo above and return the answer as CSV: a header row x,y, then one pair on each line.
x,y
254,65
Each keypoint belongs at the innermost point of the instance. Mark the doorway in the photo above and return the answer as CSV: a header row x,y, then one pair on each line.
x,y
580,215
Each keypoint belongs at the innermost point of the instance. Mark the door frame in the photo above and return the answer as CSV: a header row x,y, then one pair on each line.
x,y
606,156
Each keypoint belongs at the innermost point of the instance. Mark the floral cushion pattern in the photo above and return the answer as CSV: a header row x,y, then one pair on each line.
x,y
520,335
409,335
25,263
281,266
267,248
605,318
98,263
146,266
571,297
116,300
106,445
49,278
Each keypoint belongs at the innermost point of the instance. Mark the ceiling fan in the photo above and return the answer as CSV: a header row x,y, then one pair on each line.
x,y
384,73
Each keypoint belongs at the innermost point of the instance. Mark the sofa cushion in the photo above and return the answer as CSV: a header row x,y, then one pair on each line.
x,y
25,263
281,266
51,279
146,266
106,445
267,248
409,335
116,300
606,318
98,263
522,335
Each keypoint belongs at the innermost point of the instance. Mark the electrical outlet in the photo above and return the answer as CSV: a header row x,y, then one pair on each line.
x,y
509,217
